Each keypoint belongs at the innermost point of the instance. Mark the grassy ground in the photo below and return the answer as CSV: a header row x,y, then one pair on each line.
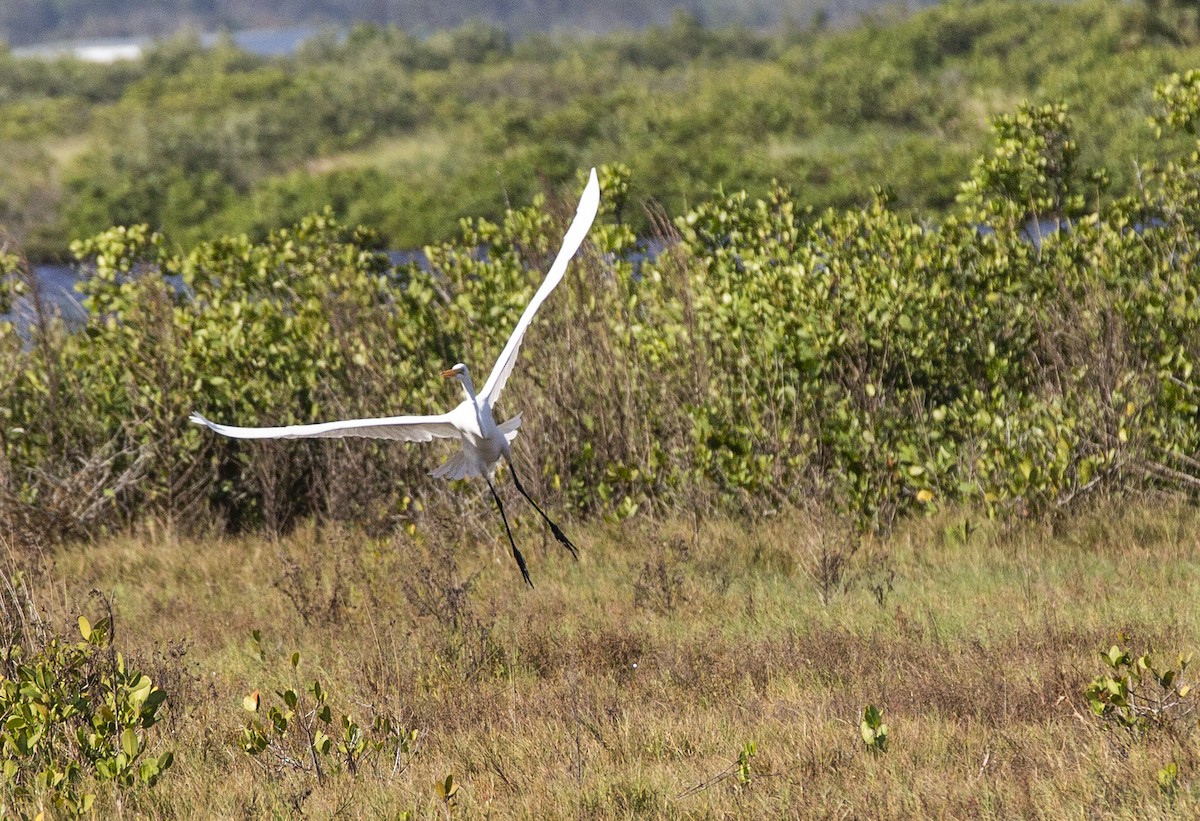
x,y
389,154
626,684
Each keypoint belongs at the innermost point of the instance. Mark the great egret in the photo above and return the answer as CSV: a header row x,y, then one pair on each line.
x,y
484,443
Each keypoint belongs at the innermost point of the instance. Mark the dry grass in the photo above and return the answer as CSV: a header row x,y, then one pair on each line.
x,y
387,154
626,680
64,150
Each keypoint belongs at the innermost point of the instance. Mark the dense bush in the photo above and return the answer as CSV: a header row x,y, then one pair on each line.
x,y
1035,345
75,717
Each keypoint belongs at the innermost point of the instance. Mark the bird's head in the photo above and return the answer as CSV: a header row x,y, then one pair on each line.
x,y
458,372
463,375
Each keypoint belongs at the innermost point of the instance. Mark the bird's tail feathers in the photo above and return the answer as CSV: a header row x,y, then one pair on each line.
x,y
509,428
456,467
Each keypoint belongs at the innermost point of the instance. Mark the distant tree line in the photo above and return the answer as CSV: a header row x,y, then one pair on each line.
x,y
406,134
31,21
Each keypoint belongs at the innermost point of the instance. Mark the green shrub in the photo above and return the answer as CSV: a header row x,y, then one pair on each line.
x,y
872,729
1141,694
75,717
304,734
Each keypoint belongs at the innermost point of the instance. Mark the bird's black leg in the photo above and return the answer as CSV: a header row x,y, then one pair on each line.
x,y
558,534
516,553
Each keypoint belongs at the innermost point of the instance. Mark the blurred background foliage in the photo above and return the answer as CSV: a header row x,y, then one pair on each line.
x,y
406,134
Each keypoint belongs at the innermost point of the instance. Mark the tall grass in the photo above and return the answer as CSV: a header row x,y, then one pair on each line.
x,y
630,682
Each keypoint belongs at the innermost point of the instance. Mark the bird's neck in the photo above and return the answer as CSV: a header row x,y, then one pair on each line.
x,y
469,390
468,387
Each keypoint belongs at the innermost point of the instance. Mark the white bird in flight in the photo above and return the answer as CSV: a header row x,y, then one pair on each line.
x,y
484,443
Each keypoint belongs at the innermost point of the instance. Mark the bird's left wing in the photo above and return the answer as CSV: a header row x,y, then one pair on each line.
x,y
405,428
585,213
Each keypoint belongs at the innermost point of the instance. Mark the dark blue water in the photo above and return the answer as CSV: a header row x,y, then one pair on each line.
x,y
268,42
56,287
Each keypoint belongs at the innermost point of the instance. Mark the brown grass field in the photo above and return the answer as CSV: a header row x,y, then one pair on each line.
x,y
626,684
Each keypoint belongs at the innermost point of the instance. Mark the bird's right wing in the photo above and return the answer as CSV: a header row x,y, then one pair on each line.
x,y
404,428
585,213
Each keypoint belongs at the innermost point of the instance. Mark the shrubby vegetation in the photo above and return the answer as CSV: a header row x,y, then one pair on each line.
x,y
745,692
1022,344
407,134
1036,344
74,715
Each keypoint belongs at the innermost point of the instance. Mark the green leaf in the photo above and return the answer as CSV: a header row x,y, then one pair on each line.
x,y
140,691
447,789
148,771
129,743
321,742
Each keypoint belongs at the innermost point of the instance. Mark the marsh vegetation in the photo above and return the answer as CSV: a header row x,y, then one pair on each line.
x,y
885,504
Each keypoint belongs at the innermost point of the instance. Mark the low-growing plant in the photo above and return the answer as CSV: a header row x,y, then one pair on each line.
x,y
831,546
1168,779
13,272
741,769
881,577
874,732
303,733
447,790
75,716
1139,694
659,585
745,772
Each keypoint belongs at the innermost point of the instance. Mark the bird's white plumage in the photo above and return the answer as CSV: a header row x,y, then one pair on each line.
x,y
403,428
484,442
459,466
585,213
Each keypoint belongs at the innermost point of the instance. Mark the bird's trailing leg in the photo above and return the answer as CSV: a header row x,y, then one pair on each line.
x,y
516,553
555,529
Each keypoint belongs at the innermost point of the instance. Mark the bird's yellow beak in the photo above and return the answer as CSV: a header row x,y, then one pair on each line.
x,y
449,374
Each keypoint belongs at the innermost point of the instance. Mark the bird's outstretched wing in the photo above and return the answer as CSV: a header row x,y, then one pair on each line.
x,y
585,213
405,428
